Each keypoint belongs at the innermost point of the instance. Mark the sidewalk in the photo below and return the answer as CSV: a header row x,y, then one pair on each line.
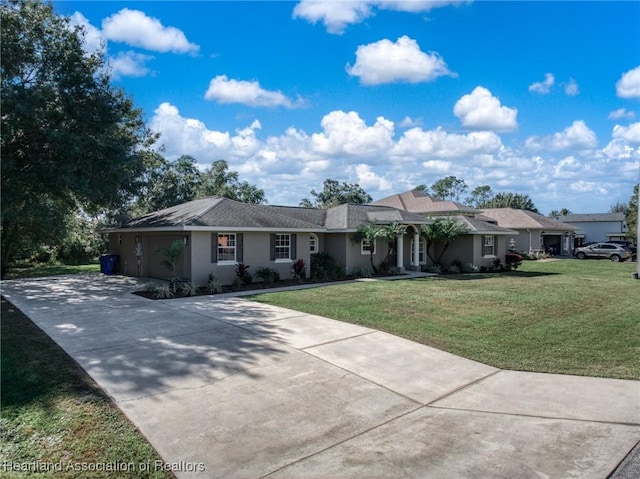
x,y
246,390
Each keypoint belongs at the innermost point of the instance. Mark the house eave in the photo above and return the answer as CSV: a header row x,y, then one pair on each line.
x,y
232,229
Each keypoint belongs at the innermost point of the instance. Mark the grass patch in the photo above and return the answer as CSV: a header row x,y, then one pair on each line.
x,y
569,316
38,270
53,413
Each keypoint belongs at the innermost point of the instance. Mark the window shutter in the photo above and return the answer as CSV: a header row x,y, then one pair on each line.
x,y
294,255
273,247
239,247
214,247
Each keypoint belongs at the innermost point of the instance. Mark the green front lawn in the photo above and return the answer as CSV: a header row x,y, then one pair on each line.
x,y
55,421
568,316
35,271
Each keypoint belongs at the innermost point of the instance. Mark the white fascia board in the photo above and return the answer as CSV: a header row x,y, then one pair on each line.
x,y
168,229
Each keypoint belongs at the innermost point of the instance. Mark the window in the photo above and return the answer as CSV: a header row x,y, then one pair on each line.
x,y
313,243
366,247
421,250
488,246
226,247
283,247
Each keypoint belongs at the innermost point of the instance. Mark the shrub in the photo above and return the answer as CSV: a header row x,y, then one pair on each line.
x,y
455,269
189,288
325,268
242,272
496,265
213,285
361,272
268,275
161,291
299,269
512,261
470,268
434,268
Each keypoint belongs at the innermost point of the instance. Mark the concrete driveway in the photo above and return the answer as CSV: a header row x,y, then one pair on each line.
x,y
229,388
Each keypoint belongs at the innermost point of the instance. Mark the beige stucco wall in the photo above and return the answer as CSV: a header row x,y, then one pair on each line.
x,y
148,263
256,254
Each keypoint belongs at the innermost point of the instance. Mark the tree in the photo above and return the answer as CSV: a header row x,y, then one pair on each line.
x,y
69,139
390,232
171,257
619,208
480,195
368,232
333,194
632,216
445,230
449,188
422,189
219,181
510,200
556,214
169,183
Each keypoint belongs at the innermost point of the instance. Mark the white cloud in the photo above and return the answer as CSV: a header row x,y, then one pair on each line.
x,y
368,179
137,29
630,134
480,110
130,64
344,147
92,41
577,136
348,134
337,15
621,113
403,61
225,90
625,143
438,144
571,87
543,87
583,186
629,84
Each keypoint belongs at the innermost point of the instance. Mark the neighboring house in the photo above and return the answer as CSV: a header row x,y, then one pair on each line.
x,y
219,233
597,227
537,233
484,242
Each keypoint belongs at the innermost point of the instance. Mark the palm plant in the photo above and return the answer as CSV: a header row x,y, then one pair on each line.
x,y
390,232
171,257
445,230
369,232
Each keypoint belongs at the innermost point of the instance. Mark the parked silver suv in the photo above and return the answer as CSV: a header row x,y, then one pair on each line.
x,y
614,252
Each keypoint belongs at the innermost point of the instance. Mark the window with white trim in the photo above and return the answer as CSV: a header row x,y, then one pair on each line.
x,y
421,252
488,245
283,246
313,243
226,247
366,247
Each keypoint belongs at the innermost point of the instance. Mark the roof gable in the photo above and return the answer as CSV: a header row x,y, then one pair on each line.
x,y
418,202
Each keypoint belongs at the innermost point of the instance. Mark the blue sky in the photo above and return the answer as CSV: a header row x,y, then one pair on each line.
x,y
537,98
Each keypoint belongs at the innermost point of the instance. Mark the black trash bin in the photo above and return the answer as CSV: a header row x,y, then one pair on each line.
x,y
109,263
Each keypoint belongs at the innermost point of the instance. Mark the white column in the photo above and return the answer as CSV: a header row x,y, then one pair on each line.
x,y
416,251
400,248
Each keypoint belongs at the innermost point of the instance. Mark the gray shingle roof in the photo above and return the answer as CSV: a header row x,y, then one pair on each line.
x,y
592,217
418,202
523,219
217,212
